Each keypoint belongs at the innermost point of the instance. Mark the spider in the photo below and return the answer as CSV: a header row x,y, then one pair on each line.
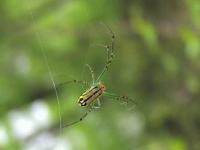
x,y
90,99
96,90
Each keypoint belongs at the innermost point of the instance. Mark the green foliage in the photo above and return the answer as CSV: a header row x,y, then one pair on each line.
x,y
157,63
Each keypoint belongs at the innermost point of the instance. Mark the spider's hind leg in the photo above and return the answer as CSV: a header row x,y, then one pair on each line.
x,y
122,99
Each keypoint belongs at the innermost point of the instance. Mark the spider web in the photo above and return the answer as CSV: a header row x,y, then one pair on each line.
x,y
41,47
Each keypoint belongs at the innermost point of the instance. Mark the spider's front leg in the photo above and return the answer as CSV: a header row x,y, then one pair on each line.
x,y
73,82
92,73
110,53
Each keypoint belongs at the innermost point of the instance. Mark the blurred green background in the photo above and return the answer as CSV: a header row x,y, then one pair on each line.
x,y
157,63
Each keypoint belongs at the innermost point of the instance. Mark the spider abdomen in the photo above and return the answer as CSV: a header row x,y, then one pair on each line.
x,y
91,94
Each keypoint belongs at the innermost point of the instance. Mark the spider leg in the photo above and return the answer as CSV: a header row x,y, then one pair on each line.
x,y
110,53
73,81
123,99
89,109
80,119
92,73
96,104
106,47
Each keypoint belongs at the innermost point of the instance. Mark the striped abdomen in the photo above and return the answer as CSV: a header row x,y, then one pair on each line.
x,y
91,94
